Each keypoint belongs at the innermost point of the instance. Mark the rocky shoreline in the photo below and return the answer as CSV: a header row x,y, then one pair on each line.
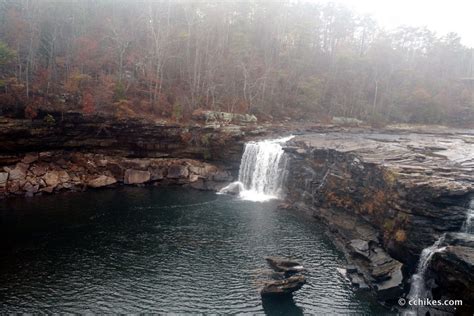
x,y
51,172
76,152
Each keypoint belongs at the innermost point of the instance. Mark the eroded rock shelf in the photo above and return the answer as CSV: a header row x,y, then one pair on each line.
x,y
385,196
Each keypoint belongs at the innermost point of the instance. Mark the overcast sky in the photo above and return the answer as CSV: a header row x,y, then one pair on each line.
x,y
442,16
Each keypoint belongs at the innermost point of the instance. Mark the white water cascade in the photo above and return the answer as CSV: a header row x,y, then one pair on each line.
x,y
418,288
468,226
262,171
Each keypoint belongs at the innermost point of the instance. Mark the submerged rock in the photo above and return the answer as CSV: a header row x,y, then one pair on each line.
x,y
283,287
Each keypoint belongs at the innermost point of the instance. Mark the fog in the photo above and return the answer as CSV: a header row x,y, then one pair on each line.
x,y
303,60
439,15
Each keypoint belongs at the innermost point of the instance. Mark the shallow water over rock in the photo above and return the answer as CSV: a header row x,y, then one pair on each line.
x,y
162,250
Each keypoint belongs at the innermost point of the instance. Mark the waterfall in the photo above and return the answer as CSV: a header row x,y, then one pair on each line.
x,y
262,171
467,226
418,288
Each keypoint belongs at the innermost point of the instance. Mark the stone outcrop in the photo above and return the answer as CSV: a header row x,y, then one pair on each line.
x,y
286,279
124,138
223,117
383,196
59,171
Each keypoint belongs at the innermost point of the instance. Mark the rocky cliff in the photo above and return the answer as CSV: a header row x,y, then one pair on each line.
x,y
127,138
73,152
384,196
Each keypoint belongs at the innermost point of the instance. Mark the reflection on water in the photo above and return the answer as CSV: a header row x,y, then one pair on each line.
x,y
161,250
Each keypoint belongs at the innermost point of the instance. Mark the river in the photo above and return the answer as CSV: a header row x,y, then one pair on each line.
x,y
131,249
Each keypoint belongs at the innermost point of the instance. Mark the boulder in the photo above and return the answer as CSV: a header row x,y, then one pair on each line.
x,y
63,176
30,188
49,189
177,172
193,178
52,178
101,181
156,173
136,176
39,169
3,179
283,287
233,188
14,187
19,172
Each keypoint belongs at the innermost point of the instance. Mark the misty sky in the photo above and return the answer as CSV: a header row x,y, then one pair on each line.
x,y
442,16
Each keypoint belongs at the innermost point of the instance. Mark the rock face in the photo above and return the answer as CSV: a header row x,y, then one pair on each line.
x,y
58,170
78,152
223,117
384,197
124,138
453,269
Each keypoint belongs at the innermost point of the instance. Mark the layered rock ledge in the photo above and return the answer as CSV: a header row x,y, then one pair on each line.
x,y
75,152
125,138
385,196
49,172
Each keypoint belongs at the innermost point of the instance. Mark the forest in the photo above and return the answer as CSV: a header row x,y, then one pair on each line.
x,y
164,60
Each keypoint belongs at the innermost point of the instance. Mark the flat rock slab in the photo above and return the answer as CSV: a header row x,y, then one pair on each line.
x,y
441,159
283,287
284,265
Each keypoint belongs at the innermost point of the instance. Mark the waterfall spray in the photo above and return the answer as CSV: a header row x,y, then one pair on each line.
x,y
262,171
418,288
467,226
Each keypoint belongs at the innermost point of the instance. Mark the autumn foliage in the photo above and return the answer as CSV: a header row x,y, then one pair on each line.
x,y
278,60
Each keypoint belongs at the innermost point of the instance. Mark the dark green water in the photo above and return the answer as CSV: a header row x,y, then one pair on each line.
x,y
162,250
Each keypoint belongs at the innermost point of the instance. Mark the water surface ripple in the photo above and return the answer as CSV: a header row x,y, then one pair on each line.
x,y
162,250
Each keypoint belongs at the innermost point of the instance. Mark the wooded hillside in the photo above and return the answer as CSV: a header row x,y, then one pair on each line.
x,y
166,59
